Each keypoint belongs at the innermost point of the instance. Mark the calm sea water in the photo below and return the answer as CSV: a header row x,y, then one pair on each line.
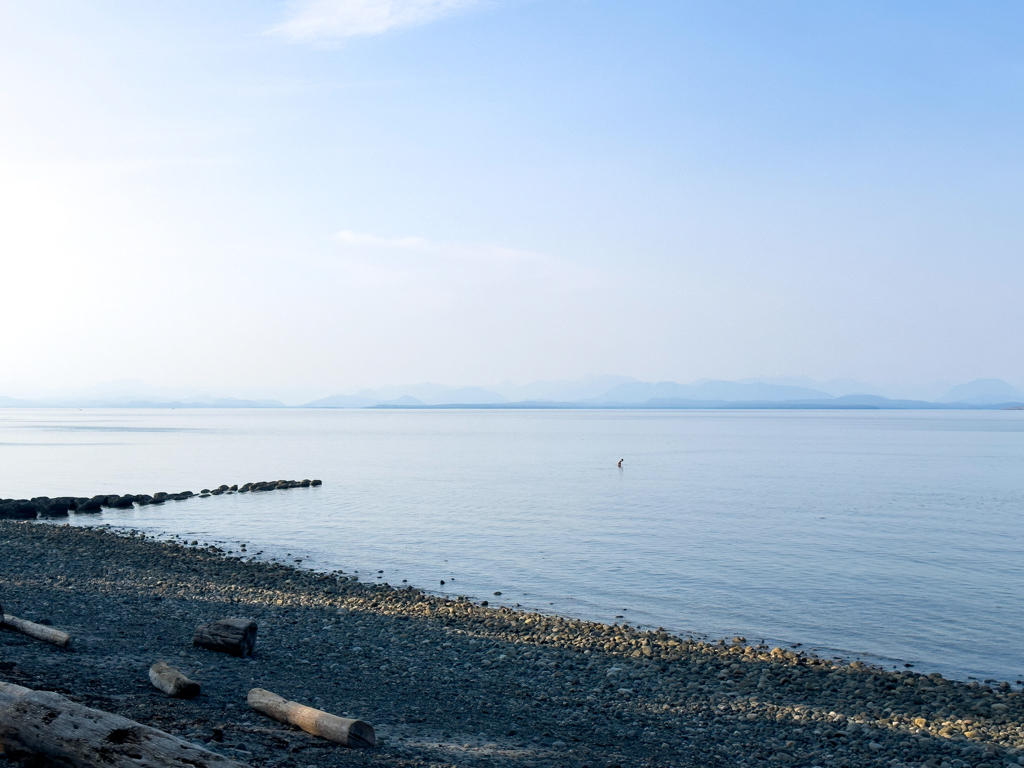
x,y
894,536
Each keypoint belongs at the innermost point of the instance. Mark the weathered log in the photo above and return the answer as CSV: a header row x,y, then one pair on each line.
x,y
172,682
342,730
70,734
37,631
234,636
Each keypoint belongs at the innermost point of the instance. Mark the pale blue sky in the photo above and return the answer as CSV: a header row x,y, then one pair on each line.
x,y
350,193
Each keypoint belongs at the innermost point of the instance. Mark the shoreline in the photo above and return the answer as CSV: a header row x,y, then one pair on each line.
x,y
450,682
245,547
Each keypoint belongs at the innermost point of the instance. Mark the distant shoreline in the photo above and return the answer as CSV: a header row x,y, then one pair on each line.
x,y
695,406
839,404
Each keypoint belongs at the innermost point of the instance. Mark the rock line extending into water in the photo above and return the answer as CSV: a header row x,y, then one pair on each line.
x,y
449,682
62,506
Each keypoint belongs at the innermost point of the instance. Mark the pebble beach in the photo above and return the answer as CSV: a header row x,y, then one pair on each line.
x,y
452,682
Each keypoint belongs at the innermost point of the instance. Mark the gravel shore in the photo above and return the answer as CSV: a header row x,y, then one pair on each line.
x,y
452,683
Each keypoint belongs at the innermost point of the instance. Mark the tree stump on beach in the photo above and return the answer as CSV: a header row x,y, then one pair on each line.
x,y
45,723
234,636
341,730
172,681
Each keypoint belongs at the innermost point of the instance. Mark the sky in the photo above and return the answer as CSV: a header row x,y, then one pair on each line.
x,y
324,195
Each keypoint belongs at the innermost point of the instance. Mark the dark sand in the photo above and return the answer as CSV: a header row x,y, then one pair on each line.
x,y
451,683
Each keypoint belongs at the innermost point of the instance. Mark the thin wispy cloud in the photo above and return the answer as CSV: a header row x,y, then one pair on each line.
x,y
462,256
319,20
348,237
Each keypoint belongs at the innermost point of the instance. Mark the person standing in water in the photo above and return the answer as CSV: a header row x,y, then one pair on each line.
x,y
620,463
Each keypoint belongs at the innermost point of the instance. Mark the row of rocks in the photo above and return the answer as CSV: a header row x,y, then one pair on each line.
x,y
452,682
44,506
278,485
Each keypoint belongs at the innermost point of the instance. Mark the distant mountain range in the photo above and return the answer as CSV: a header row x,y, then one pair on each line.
x,y
589,392
624,392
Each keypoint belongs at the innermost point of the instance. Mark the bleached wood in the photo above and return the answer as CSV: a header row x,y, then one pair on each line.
x,y
45,723
37,631
341,730
172,681
234,636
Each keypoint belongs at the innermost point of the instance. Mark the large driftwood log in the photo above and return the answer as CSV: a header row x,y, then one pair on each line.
x,y
44,723
172,682
37,631
348,733
234,636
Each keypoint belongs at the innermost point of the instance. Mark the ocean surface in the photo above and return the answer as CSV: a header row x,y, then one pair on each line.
x,y
893,536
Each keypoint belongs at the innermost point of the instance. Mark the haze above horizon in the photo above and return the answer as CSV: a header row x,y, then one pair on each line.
x,y
310,196
590,391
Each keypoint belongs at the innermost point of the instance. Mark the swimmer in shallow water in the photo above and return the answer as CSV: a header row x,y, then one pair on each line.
x,y
620,463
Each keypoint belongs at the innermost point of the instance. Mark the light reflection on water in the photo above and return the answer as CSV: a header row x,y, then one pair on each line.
x,y
892,534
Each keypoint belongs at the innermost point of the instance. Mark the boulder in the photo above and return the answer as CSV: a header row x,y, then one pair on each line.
x,y
52,507
88,506
62,503
19,509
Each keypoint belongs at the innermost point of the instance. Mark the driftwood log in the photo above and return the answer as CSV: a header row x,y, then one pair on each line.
x,y
172,682
348,733
37,631
234,636
45,723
